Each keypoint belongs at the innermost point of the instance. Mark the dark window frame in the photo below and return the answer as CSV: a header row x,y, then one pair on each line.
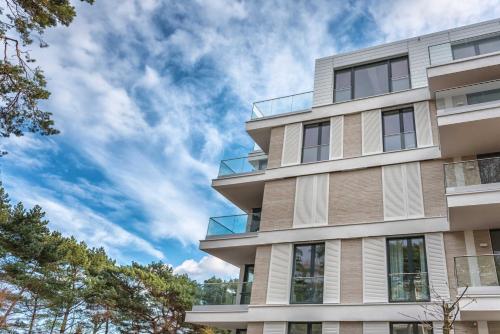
x,y
312,269
412,291
414,329
475,43
400,112
309,325
318,145
389,76
244,294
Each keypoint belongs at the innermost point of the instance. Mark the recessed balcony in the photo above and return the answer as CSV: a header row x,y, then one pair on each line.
x,y
448,71
473,193
469,119
254,162
478,278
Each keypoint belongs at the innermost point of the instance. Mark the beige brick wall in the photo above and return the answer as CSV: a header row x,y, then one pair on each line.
x,y
434,126
275,147
261,273
465,327
432,174
352,135
255,328
494,327
482,237
454,245
351,327
351,275
356,197
278,205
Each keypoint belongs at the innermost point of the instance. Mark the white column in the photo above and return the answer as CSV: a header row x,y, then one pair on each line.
x,y
482,327
470,248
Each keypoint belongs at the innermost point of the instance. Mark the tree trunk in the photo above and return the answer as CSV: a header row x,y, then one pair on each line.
x,y
53,323
3,318
33,315
65,320
107,325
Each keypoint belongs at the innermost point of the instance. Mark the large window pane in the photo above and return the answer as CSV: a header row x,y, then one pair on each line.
x,y
399,130
325,134
391,123
482,97
343,85
400,78
304,328
310,154
392,143
407,270
463,50
408,121
409,328
371,80
307,278
311,135
489,45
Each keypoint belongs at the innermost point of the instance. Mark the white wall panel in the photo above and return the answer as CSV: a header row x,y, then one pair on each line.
x,y
331,290
374,270
278,288
336,137
440,54
323,81
423,124
331,327
402,191
311,200
292,144
371,131
436,266
376,327
274,327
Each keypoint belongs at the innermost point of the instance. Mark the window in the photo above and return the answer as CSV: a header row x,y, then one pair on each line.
x,y
398,128
307,279
316,145
482,97
304,328
372,79
409,328
246,287
407,270
475,48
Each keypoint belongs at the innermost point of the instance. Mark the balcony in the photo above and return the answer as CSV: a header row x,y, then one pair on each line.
x,y
282,105
253,163
473,193
479,276
446,72
236,224
469,118
226,293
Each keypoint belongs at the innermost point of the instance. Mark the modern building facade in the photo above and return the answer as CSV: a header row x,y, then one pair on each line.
x,y
371,199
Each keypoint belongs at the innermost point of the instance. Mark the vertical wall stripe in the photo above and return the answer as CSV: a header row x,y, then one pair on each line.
x,y
292,144
331,327
371,131
423,124
274,327
336,136
436,266
402,191
374,270
278,288
331,291
323,81
375,327
311,200
394,204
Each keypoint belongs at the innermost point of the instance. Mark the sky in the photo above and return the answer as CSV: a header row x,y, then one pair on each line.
x,y
150,95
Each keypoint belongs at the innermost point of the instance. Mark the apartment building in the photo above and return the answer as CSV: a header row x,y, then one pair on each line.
x,y
371,198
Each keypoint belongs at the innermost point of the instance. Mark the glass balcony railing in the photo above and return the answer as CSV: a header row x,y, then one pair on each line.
x,y
307,290
409,287
473,172
226,293
243,165
233,224
282,105
484,94
477,271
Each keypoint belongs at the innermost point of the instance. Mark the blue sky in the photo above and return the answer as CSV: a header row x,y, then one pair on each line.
x,y
149,95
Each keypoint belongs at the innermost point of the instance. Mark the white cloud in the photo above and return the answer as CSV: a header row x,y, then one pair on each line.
x,y
207,267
